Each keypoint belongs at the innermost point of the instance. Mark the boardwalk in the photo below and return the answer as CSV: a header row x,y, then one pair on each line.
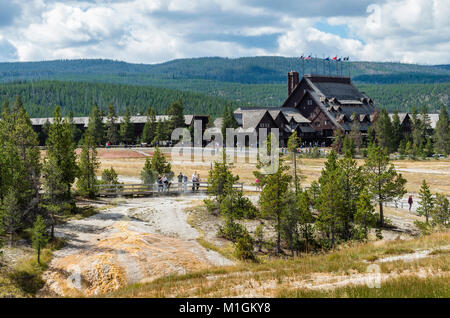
x,y
114,190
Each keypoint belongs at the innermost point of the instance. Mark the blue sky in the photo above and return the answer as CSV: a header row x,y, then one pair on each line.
x,y
152,31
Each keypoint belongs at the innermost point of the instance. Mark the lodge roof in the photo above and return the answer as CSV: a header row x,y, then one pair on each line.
x,y
119,119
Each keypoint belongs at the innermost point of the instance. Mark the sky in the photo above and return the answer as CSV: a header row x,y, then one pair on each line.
x,y
154,31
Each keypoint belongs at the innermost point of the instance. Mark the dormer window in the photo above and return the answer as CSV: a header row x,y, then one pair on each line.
x,y
309,102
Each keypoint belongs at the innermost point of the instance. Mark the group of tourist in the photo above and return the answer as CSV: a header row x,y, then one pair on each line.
x,y
163,183
183,180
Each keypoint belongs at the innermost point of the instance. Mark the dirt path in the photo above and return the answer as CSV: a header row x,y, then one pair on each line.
x,y
137,241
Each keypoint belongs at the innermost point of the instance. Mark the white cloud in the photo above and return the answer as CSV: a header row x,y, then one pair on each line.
x,y
159,30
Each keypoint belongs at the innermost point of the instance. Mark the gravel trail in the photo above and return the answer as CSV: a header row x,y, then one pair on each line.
x,y
137,241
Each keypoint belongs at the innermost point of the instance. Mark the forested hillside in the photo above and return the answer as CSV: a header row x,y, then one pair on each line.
x,y
40,98
404,96
245,70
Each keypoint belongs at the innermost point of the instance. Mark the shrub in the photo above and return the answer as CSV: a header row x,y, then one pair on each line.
x,y
244,247
109,176
238,206
231,230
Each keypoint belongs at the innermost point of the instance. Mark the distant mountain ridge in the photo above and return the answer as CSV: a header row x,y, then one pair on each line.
x,y
244,70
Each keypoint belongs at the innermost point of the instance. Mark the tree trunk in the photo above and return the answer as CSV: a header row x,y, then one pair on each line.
x,y
381,213
307,240
295,172
332,234
278,235
10,238
39,254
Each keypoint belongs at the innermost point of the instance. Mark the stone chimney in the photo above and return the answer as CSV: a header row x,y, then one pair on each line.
x,y
293,80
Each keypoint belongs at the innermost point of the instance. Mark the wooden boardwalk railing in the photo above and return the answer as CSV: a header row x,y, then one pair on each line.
x,y
140,189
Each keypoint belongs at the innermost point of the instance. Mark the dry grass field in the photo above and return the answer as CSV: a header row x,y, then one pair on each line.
x,y
129,163
407,268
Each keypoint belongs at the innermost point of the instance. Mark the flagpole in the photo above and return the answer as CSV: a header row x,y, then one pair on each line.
x,y
316,64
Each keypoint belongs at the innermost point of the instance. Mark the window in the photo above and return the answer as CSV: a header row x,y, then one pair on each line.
x,y
317,123
325,122
309,102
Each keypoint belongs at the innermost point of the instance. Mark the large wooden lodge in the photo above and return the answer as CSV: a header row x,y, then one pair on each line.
x,y
316,107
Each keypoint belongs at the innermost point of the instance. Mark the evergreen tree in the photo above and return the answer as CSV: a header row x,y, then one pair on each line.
x,y
426,203
384,184
442,133
5,108
74,130
221,180
228,121
148,133
338,141
428,149
417,133
10,217
176,116
88,164
290,219
293,144
348,148
60,153
43,134
112,133
306,218
351,182
20,159
96,128
155,166
148,174
355,134
126,128
159,132
274,198
365,216
109,176
59,169
39,236
396,131
384,131
331,205
441,211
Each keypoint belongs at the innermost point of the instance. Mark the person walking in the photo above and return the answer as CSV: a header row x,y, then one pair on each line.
x,y
185,181
160,184
410,202
180,180
258,186
164,182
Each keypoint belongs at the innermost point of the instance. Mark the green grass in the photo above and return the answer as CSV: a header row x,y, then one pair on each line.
x,y
403,287
26,277
398,251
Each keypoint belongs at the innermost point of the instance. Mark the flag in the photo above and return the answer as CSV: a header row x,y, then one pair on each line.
x,y
301,57
308,57
346,58
335,58
338,59
327,59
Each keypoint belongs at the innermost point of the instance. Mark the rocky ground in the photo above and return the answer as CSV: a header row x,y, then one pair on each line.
x,y
138,240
